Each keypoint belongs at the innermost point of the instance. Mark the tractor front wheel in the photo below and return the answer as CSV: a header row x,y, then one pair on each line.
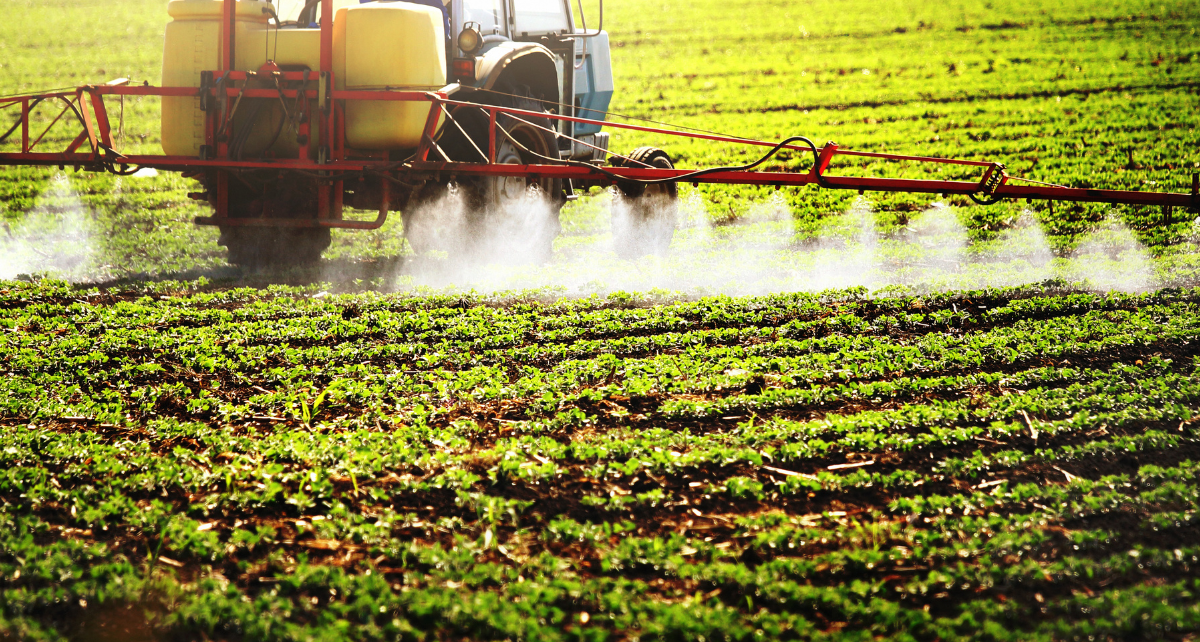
x,y
644,215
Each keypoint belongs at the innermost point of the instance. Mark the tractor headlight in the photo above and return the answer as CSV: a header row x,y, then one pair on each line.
x,y
470,41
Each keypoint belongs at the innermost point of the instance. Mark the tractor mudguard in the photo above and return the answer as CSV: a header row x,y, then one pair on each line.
x,y
520,63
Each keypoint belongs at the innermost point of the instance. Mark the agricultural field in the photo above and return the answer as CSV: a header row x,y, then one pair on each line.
x,y
283,464
823,416
1074,93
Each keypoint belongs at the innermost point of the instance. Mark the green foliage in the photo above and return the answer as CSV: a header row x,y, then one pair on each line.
x,y
261,464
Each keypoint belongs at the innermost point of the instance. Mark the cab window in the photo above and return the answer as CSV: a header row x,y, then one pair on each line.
x,y
488,13
541,17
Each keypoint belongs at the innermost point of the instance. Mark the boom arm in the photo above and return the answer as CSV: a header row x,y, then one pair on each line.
x,y
87,103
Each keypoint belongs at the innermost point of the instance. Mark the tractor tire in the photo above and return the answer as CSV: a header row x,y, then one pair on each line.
x,y
644,216
506,218
258,248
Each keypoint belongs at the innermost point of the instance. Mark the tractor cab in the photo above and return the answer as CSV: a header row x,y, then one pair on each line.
x,y
535,46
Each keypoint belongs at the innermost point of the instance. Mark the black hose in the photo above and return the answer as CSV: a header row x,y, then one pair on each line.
x,y
283,118
683,177
78,115
992,201
239,140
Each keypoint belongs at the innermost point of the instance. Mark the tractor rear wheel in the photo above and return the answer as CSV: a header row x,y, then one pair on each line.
x,y
435,220
256,248
644,215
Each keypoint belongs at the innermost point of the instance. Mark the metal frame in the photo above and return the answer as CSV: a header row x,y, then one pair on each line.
x,y
334,161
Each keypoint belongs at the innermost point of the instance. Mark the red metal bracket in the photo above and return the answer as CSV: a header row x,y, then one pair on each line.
x,y
313,223
228,31
25,125
75,144
431,121
1195,192
993,178
823,159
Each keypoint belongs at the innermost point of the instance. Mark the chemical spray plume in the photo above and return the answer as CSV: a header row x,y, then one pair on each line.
x,y
752,255
447,234
756,253
53,238
1111,258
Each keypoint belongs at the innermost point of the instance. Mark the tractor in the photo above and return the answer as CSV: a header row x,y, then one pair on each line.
x,y
522,54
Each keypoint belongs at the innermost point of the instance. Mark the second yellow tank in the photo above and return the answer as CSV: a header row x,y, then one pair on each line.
x,y
388,45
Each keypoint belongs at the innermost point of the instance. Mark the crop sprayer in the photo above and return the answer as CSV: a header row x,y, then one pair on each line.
x,y
288,118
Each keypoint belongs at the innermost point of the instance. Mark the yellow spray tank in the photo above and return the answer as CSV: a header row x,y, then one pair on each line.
x,y
381,45
388,45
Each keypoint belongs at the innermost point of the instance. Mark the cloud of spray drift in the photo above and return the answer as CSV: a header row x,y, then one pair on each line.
x,y
757,253
460,255
53,238
1111,258
761,252
1020,255
754,254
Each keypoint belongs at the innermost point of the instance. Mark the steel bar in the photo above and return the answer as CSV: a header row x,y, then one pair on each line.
x,y
427,134
339,154
13,100
327,81
87,122
921,159
45,158
639,128
103,126
228,31
25,125
337,94
782,179
147,91
49,127
491,136
77,143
